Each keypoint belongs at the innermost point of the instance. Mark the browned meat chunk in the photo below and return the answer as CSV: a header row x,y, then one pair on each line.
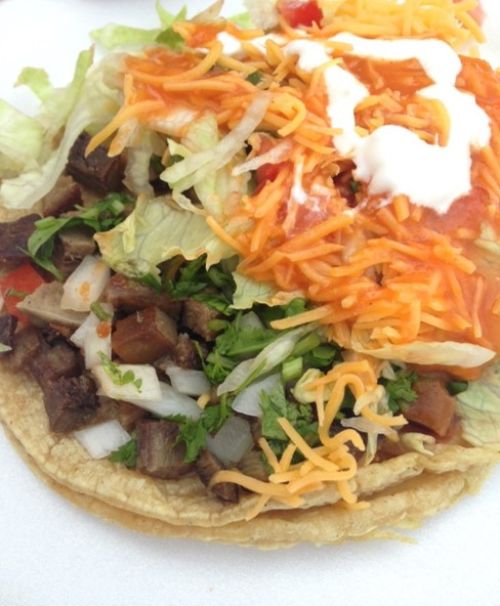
x,y
197,316
8,326
71,247
65,195
185,354
96,171
27,344
159,455
206,466
144,336
71,403
52,363
434,408
127,294
127,414
14,236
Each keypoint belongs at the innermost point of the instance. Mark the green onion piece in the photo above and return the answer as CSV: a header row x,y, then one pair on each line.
x,y
306,344
292,369
217,325
97,309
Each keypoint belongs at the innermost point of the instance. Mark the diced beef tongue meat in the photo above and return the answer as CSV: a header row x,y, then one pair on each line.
x,y
96,171
70,397
185,354
434,408
71,403
197,316
127,294
71,247
52,363
207,465
64,196
144,336
8,326
125,413
158,453
14,236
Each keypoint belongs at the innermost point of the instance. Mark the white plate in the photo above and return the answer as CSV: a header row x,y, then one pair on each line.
x,y
52,554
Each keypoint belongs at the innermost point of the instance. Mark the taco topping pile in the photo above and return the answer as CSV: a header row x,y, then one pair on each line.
x,y
264,251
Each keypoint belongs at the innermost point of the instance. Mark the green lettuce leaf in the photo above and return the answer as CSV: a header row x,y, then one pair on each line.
x,y
479,409
21,141
201,165
242,20
156,232
87,102
113,36
215,188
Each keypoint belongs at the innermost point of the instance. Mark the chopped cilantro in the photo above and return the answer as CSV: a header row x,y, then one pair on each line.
x,y
275,405
116,375
126,454
456,387
17,294
213,286
193,434
98,310
102,216
254,78
400,390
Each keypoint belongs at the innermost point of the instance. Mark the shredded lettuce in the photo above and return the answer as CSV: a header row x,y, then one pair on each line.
x,y
155,232
269,358
201,166
21,141
489,240
479,410
447,353
214,190
87,101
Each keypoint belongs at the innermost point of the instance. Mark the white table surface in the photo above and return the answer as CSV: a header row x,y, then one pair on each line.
x,y
53,554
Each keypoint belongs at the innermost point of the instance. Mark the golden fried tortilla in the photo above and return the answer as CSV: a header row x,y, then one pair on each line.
x,y
401,491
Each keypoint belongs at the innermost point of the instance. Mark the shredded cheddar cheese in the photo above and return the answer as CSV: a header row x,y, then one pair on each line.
x,y
378,271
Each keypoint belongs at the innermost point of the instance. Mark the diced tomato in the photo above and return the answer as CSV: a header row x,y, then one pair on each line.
x,y
268,172
297,13
15,285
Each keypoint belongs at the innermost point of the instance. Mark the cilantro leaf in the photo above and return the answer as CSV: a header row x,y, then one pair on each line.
x,y
275,405
456,387
102,216
126,454
254,78
213,286
400,390
116,375
193,434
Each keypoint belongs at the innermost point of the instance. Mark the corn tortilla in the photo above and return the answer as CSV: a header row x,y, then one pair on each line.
x,y
401,491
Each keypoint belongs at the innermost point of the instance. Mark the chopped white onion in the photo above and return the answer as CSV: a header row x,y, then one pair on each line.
x,y
247,402
251,320
171,402
85,284
189,382
103,439
232,441
147,390
275,155
94,337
